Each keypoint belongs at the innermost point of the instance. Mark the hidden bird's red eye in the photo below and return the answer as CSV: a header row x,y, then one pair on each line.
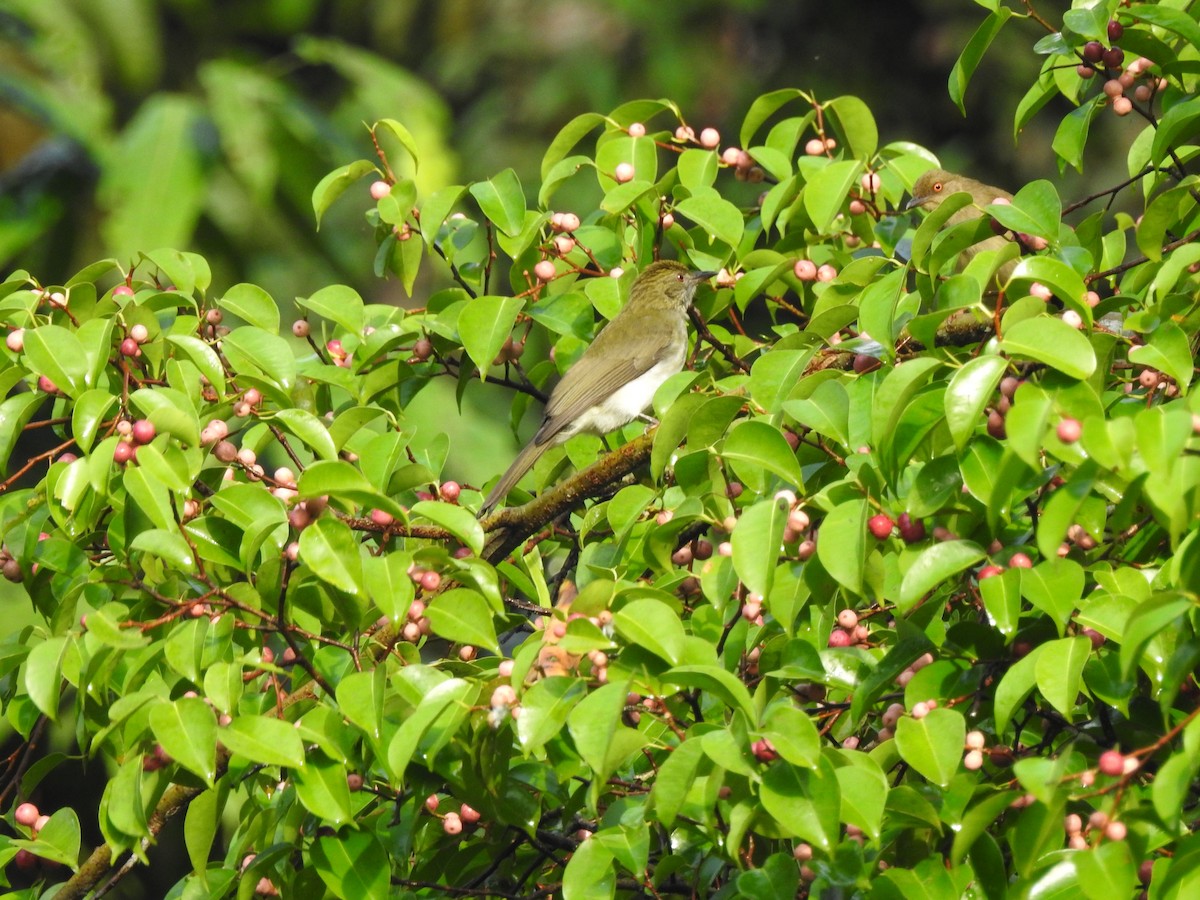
x,y
937,187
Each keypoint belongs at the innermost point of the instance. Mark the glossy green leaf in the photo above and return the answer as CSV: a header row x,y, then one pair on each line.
x,y
933,745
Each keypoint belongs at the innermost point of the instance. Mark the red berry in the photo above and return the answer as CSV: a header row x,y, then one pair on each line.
x,y
122,290
1112,762
880,525
450,491
123,452
431,581
764,750
912,531
354,781
995,425
1113,57
1115,30
143,431
468,815
1093,51
989,571
1020,561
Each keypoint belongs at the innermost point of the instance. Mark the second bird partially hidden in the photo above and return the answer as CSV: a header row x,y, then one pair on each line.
x,y
615,379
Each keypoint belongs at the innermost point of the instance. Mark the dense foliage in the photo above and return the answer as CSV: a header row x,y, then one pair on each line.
x,y
897,599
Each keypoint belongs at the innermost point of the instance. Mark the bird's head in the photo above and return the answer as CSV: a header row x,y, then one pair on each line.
x,y
934,186
667,283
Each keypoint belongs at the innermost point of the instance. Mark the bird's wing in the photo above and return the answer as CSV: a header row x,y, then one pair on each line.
x,y
600,373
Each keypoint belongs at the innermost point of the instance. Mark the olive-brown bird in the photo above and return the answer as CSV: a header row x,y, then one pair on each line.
x,y
935,186
615,379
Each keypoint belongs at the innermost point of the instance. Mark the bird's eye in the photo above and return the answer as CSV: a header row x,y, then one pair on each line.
x,y
937,187
679,277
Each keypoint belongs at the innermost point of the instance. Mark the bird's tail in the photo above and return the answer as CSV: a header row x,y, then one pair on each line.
x,y
522,464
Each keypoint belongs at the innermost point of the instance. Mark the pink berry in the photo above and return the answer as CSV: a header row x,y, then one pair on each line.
x,y
129,347
1072,318
667,220
839,638
973,760
623,173
300,328
1040,291
452,824
1069,430
1115,831
684,133
1085,71
826,273
848,619
143,431
989,571
636,129
123,452
544,270
815,147
976,740
710,138
27,814
122,290
857,208
1112,762
871,182
1020,561
805,270
139,333
431,581
380,189
468,814
450,491
1113,88
1122,106
15,340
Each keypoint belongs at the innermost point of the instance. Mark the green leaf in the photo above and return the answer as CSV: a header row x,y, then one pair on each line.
x,y
265,740
842,548
203,357
675,779
447,695
59,840
1072,133
342,481
1168,350
1064,281
331,550
309,429
252,305
968,60
321,787
756,442
933,745
250,349
1017,684
352,865
604,742
544,710
968,394
827,192
711,678
337,303
756,541
463,615
714,214
864,790
1167,17
804,802
1053,342
1058,672
484,324
43,674
459,522
652,624
935,565
1035,210
17,411
502,201
589,874
335,184
857,125
58,354
794,736
403,136
187,730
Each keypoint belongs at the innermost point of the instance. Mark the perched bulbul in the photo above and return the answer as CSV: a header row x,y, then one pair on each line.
x,y
935,186
615,379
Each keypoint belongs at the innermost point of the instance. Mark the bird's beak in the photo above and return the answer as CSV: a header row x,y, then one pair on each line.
x,y
915,202
698,277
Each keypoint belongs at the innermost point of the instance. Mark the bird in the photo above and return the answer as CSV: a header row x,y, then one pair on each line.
x,y
614,381
938,184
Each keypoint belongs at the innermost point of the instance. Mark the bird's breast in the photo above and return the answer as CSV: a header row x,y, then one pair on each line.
x,y
628,402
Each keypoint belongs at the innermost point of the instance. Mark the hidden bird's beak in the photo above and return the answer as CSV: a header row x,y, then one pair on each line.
x,y
702,276
914,203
